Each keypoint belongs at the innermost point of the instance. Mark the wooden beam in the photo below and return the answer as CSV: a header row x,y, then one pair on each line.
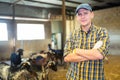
x,y
59,5
64,22
14,27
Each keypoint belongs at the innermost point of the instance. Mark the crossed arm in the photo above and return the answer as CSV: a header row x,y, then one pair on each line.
x,y
83,55
96,53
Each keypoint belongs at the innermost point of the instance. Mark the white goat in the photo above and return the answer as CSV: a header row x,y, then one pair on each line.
x,y
4,71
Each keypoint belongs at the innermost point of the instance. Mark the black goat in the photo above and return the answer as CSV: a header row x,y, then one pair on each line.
x,y
16,58
58,53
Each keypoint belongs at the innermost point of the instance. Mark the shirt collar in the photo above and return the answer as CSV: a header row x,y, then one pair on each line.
x,y
92,28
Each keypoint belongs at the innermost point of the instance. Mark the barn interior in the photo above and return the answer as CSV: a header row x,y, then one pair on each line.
x,y
56,20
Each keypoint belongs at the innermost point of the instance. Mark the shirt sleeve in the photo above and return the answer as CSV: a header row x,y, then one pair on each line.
x,y
104,36
69,45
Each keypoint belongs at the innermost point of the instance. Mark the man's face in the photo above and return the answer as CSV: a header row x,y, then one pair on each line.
x,y
85,17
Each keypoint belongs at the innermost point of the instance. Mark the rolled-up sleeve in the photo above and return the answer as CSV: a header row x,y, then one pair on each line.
x,y
104,36
69,45
67,48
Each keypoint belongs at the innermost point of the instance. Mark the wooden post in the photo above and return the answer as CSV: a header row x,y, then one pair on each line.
x,y
64,23
14,25
14,28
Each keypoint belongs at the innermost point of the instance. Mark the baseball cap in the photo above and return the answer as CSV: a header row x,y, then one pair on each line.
x,y
83,6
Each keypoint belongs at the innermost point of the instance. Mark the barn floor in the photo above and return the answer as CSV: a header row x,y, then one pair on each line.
x,y
59,75
112,68
112,71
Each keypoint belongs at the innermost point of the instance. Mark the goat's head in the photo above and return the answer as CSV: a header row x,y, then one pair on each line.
x,y
52,65
25,65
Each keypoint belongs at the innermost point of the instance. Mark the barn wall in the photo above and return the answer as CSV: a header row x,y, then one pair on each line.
x,y
29,46
56,26
6,46
110,19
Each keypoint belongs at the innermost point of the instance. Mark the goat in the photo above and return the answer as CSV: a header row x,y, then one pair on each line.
x,y
24,73
4,71
43,61
26,70
16,58
58,53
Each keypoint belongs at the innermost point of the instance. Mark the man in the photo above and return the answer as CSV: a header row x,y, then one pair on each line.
x,y
87,48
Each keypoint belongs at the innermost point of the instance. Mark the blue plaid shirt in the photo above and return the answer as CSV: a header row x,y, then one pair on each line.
x,y
91,69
